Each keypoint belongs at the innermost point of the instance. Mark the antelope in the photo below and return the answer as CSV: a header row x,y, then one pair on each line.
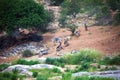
x,y
59,47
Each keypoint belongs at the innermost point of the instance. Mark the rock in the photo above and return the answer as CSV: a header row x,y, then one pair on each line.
x,y
43,51
112,74
80,74
74,51
24,69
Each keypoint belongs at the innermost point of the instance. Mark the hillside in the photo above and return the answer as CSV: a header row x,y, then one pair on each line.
x,y
104,39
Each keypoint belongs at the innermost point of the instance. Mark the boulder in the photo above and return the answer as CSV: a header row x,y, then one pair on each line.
x,y
25,69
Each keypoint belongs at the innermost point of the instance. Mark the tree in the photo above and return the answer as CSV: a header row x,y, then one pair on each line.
x,y
68,13
22,13
72,7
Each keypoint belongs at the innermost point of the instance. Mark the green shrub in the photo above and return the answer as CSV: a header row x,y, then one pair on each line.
x,y
55,70
10,76
66,76
32,15
55,61
62,65
35,74
15,71
112,60
14,77
27,53
86,55
7,75
25,62
4,66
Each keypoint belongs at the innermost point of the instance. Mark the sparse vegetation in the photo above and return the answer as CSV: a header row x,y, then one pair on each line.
x,y
84,56
46,73
25,62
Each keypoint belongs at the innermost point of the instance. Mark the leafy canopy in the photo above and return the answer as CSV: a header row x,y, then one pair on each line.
x,y
22,13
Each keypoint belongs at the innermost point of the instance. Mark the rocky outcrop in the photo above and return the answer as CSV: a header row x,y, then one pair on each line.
x,y
25,69
112,74
35,48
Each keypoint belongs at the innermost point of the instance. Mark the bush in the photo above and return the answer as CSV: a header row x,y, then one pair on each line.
x,y
116,20
66,76
35,74
10,76
86,55
55,61
15,71
55,70
112,60
27,53
32,15
25,62
3,66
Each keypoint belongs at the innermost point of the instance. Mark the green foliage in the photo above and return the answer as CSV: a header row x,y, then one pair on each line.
x,y
72,7
27,53
11,76
112,60
66,76
35,74
55,61
3,66
116,20
47,72
25,62
22,13
55,70
69,8
114,5
83,56
15,71
72,28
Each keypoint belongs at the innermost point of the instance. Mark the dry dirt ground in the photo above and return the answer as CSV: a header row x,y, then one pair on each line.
x,y
104,39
